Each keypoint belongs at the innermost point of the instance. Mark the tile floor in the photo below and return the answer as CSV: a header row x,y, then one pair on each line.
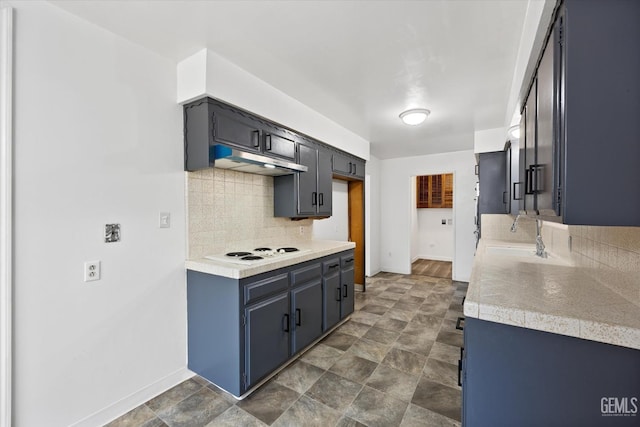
x,y
393,364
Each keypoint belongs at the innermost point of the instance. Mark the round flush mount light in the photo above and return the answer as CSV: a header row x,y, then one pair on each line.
x,y
414,116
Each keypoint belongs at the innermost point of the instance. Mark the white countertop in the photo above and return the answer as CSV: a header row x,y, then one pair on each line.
x,y
309,250
515,288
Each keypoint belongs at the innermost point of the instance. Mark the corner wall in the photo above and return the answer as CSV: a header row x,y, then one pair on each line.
x,y
98,140
395,225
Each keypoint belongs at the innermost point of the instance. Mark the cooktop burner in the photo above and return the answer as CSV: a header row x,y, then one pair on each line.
x,y
288,249
251,258
238,254
262,249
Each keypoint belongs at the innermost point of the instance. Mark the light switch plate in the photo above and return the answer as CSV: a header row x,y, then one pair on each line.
x,y
165,220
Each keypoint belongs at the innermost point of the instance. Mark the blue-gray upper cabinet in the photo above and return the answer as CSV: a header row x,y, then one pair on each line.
x,y
208,122
493,179
347,166
306,194
583,123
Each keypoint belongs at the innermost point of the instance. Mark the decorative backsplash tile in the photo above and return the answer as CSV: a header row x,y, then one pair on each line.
x,y
229,210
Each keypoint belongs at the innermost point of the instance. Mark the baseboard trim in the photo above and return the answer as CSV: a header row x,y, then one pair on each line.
x,y
433,257
135,399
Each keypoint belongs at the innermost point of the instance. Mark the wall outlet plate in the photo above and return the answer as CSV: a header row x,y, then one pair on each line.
x,y
165,220
91,271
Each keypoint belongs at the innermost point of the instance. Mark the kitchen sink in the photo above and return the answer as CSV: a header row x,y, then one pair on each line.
x,y
525,253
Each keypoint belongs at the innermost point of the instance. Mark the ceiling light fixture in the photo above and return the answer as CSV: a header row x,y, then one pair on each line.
x,y
414,116
514,132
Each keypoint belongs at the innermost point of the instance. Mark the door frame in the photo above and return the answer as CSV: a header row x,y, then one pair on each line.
x,y
412,179
6,211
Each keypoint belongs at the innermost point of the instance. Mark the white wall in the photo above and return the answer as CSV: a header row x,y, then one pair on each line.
x,y
395,225
336,227
489,140
435,241
98,139
372,217
207,73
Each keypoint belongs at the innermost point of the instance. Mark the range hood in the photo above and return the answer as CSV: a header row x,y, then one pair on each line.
x,y
225,157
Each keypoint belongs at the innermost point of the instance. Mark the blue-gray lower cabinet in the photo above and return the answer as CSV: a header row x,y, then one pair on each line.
x,y
266,336
516,376
331,292
241,330
347,282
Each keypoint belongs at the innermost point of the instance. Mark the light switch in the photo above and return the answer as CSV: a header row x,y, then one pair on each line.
x,y
165,220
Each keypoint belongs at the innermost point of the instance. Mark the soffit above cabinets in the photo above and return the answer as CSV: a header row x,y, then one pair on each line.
x,y
358,63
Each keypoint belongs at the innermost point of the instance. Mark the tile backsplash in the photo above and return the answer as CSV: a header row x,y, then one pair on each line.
x,y
229,210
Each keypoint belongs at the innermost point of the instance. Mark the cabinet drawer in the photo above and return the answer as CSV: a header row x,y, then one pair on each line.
x,y
258,290
279,145
331,266
306,274
346,261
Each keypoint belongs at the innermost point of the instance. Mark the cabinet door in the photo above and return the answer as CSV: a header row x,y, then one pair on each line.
x,y
357,168
492,175
280,146
325,183
307,181
545,139
348,300
266,337
306,315
331,296
232,128
507,181
341,164
530,150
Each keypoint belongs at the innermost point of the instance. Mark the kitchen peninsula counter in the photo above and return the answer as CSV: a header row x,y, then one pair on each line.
x,y
513,287
309,250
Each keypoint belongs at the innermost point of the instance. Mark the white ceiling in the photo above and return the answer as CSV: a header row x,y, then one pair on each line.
x,y
360,63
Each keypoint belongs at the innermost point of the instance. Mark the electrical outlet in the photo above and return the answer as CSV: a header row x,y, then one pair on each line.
x,y
444,221
91,271
301,230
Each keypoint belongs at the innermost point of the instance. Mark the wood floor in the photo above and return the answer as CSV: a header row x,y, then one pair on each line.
x,y
428,267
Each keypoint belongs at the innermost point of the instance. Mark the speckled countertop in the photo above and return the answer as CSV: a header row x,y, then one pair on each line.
x,y
309,250
510,285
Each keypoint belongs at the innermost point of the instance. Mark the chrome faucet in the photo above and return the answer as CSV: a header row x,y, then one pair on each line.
x,y
540,247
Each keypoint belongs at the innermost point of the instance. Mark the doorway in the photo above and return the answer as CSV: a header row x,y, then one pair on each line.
x,y
432,224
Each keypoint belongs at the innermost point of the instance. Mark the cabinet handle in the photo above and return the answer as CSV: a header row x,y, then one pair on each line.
x,y
298,317
314,198
332,266
519,197
345,291
504,197
476,170
458,326
338,295
285,323
348,261
355,168
255,137
268,143
321,197
528,177
350,166
460,367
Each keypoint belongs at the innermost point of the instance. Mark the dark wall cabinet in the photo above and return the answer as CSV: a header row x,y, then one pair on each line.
x,y
514,376
494,178
240,331
579,135
208,122
306,194
347,166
